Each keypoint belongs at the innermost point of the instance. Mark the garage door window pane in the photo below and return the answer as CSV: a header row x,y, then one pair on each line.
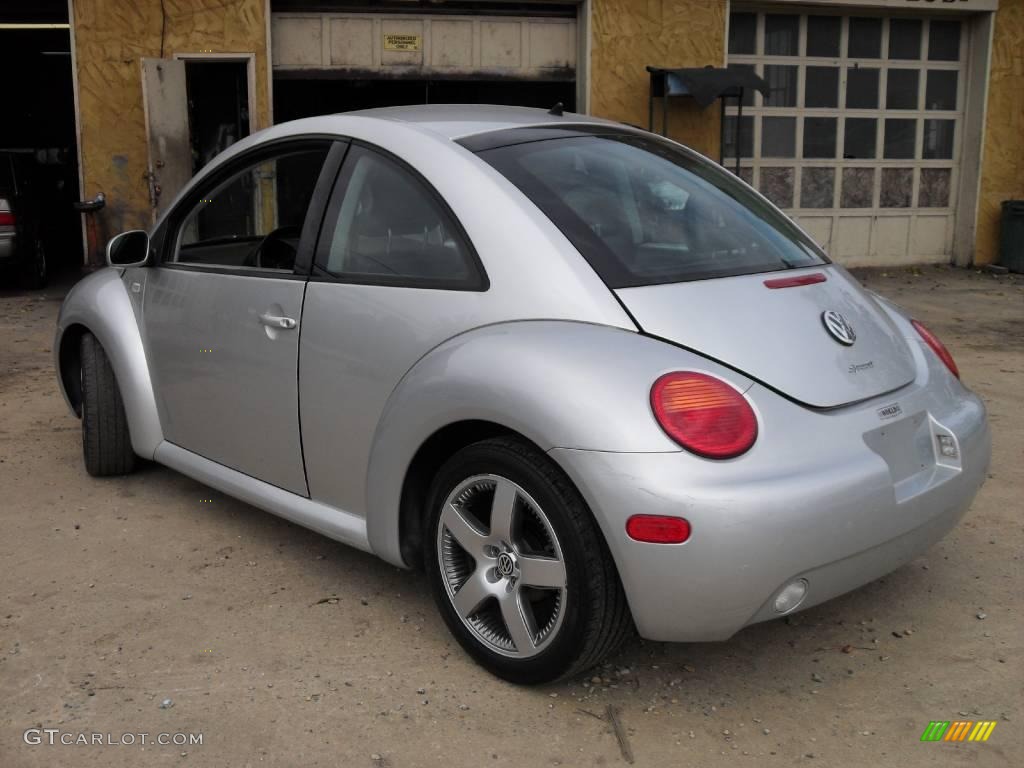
x,y
901,89
742,32
865,40
816,187
390,226
861,88
778,137
781,35
746,137
904,39
934,188
897,187
821,88
940,92
823,36
858,187
777,186
820,137
899,139
781,80
748,93
944,41
938,139
859,141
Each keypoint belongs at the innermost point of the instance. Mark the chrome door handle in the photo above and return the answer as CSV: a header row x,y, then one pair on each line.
x,y
276,321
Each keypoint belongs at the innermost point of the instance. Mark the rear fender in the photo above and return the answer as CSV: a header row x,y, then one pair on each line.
x,y
559,384
100,305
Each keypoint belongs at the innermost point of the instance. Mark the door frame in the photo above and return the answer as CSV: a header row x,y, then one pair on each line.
x,y
250,75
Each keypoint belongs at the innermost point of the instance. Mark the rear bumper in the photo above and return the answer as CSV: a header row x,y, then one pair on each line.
x,y
7,242
837,499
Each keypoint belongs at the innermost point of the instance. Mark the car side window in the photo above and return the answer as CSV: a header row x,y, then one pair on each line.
x,y
253,218
387,226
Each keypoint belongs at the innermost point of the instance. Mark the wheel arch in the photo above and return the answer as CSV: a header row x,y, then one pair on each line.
x,y
99,304
428,459
548,382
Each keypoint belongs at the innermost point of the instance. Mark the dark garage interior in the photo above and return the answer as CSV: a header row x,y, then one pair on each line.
x,y
305,97
38,157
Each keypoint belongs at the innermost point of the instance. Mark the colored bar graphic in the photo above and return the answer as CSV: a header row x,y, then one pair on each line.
x,y
982,730
935,730
958,730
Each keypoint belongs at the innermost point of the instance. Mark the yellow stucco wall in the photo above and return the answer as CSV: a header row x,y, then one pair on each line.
x,y
111,38
628,35
1002,169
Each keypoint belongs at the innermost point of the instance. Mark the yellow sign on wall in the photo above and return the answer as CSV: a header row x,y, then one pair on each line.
x,y
402,42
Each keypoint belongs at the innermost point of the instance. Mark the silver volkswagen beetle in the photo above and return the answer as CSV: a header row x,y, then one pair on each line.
x,y
580,375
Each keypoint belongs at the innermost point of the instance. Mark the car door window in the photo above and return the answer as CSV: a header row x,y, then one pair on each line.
x,y
253,218
387,226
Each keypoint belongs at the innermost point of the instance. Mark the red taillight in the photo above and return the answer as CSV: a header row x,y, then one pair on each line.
x,y
658,529
704,414
937,347
6,219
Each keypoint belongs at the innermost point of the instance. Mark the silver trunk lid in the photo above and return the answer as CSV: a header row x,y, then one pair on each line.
x,y
778,335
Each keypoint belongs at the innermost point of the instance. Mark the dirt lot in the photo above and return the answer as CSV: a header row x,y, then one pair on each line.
x,y
119,594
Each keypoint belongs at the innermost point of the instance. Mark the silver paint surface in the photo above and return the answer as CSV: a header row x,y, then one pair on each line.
x,y
831,492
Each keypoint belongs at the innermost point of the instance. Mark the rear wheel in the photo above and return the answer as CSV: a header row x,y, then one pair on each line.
x,y
106,444
518,567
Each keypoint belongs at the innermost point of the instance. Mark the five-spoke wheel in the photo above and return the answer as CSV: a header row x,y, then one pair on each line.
x,y
502,565
519,569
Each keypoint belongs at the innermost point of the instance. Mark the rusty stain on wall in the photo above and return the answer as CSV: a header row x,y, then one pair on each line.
x,y
111,37
1002,170
629,35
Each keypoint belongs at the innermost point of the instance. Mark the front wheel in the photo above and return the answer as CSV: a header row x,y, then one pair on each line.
x,y
106,443
518,567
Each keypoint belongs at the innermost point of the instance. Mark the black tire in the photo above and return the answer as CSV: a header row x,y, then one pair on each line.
x,y
596,617
106,444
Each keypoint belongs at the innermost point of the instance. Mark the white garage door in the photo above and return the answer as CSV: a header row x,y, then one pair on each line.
x,y
390,44
860,137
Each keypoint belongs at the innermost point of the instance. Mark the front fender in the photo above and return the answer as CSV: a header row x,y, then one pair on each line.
x,y
100,304
560,384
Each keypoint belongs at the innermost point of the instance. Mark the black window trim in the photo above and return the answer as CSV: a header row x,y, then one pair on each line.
x,y
168,235
477,282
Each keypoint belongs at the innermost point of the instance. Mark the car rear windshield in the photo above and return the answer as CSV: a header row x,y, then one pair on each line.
x,y
647,212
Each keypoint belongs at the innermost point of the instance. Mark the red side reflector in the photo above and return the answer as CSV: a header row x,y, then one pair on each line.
x,y
658,529
792,282
6,219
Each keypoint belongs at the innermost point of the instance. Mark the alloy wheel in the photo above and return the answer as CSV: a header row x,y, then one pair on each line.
x,y
502,565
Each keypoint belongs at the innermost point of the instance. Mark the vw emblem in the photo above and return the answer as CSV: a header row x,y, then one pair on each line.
x,y
838,328
506,565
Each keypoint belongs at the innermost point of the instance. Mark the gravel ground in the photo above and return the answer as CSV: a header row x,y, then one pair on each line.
x,y
152,604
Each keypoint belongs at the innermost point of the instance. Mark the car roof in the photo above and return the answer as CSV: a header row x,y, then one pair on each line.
x,y
454,121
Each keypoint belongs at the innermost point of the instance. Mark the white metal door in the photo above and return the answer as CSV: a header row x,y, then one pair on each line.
x,y
165,100
418,45
860,137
